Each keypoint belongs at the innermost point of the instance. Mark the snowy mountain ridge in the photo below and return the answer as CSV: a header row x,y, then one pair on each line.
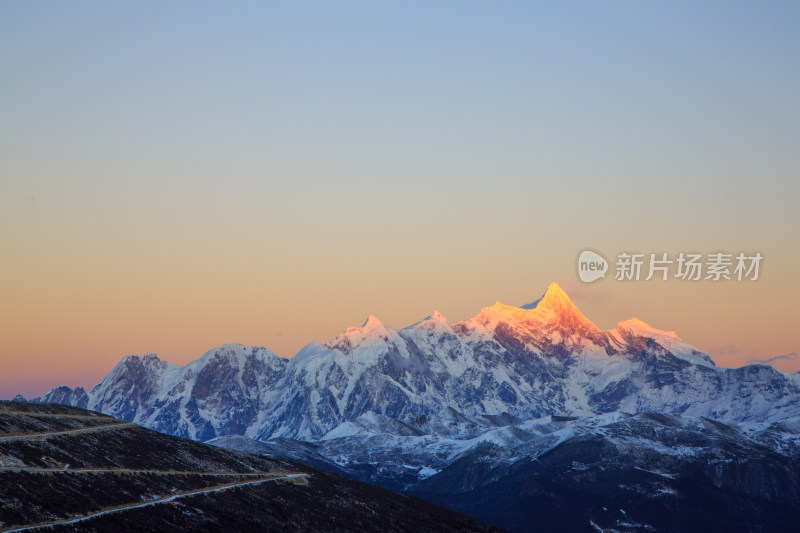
x,y
506,361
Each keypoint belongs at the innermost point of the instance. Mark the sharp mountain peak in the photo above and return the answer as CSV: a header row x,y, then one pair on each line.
x,y
555,299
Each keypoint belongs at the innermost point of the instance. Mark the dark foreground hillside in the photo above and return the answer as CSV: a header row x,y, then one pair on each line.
x,y
74,469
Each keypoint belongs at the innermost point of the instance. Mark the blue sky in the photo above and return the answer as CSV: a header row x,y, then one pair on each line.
x,y
236,164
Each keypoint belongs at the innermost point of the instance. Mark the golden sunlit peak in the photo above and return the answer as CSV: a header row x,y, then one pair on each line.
x,y
500,307
554,298
554,303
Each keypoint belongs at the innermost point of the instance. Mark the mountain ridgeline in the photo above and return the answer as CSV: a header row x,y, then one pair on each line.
x,y
526,363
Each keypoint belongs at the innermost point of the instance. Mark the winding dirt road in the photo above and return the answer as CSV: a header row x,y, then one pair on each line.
x,y
164,499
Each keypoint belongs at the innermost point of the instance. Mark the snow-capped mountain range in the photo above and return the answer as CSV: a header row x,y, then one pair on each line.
x,y
525,363
519,415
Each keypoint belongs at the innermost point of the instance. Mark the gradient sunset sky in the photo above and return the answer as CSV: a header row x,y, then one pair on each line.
x,y
179,175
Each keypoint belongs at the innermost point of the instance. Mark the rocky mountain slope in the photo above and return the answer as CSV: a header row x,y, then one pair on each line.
x,y
616,471
69,469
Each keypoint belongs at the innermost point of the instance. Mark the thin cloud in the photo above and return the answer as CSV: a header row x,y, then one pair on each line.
x,y
793,356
